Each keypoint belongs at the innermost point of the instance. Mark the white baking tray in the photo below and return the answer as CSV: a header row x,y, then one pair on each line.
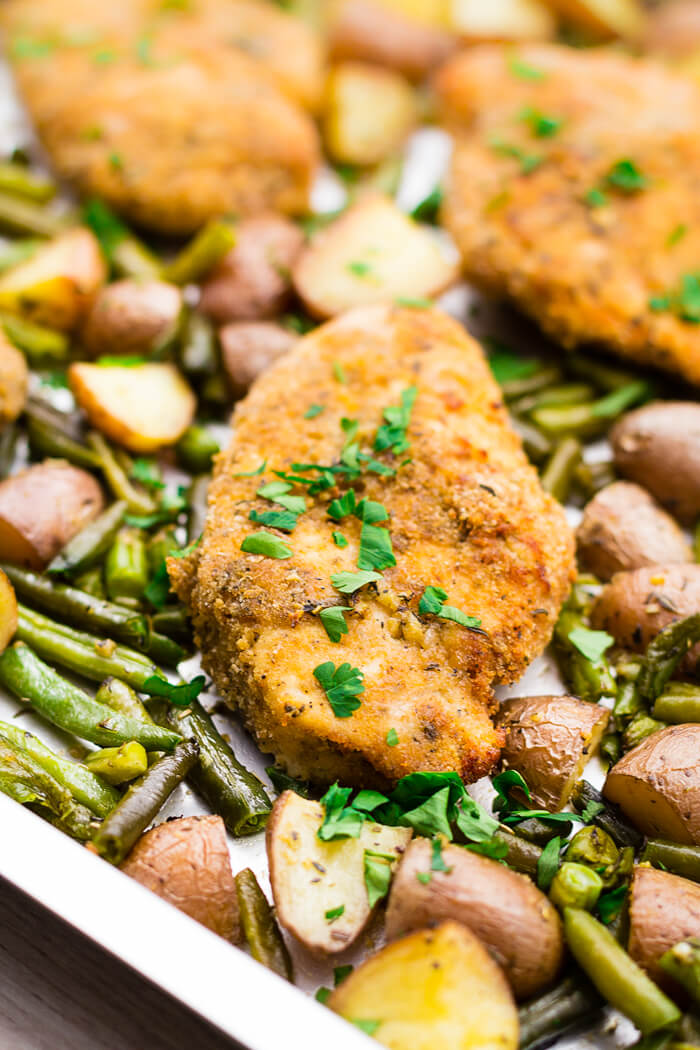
x,y
218,981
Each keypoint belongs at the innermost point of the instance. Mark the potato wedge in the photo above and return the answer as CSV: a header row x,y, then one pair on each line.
x,y
636,605
57,285
42,508
368,113
187,863
664,909
14,378
142,407
474,20
311,878
133,317
373,253
603,18
434,988
658,446
549,739
253,281
657,784
8,611
248,348
504,910
623,528
411,41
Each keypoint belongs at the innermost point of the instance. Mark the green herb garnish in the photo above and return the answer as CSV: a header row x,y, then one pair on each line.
x,y
339,372
334,913
626,177
433,603
377,868
349,582
548,863
267,544
592,644
339,539
342,685
334,621
313,411
541,125
392,433
181,695
392,738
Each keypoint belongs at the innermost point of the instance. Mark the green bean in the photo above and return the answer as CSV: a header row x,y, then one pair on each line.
x,y
575,886
17,180
610,748
539,832
9,437
84,654
558,421
664,654
608,818
215,390
161,546
539,380
592,477
137,502
536,445
589,679
27,218
126,567
128,255
573,1001
616,976
165,650
14,252
673,856
199,357
564,394
594,847
523,856
69,708
24,780
173,621
46,441
679,702
196,449
197,502
605,376
84,786
228,787
140,805
120,764
639,729
91,582
558,474
43,347
202,253
260,927
89,545
121,697
628,702
79,607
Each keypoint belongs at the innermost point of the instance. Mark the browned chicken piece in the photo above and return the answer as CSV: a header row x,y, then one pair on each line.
x,y
574,193
172,115
466,514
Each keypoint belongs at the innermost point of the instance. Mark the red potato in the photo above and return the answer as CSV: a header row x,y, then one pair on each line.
x,y
42,508
673,29
186,862
664,909
253,281
249,348
14,377
132,317
8,611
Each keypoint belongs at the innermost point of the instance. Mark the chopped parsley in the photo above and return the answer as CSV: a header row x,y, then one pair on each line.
x,y
610,904
322,995
147,472
181,695
365,1025
424,877
334,621
503,784
104,57
116,161
121,361
339,372
548,863
433,603
392,433
359,269
392,738
685,302
626,177
541,125
108,229
275,519
267,544
591,810
427,209
339,539
342,685
349,582
367,800
313,411
592,644
437,862
341,972
278,492
524,70
506,365
376,551
334,913
30,47
416,303
677,234
595,198
340,821
377,868
529,162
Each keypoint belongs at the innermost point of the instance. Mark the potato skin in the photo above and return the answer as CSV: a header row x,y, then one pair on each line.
x,y
657,784
505,910
248,348
42,508
132,317
253,281
14,377
664,909
547,740
623,528
8,611
673,29
658,446
186,862
636,605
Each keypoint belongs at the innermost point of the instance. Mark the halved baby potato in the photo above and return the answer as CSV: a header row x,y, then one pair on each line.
x,y
434,988
57,285
133,317
475,20
14,379
368,113
312,880
142,407
603,18
373,253
8,612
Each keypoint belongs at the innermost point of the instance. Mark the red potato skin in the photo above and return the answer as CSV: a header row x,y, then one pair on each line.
x,y
46,506
186,862
248,348
253,282
506,911
664,909
130,317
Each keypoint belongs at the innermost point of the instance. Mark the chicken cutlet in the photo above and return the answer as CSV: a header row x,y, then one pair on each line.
x,y
574,192
393,412
172,114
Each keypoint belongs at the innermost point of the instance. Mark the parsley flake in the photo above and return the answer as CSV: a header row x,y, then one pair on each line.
x,y
377,869
392,433
392,738
342,685
626,177
267,544
277,492
591,810
506,365
339,539
340,821
529,162
592,644
524,70
313,411
334,913
424,877
322,995
275,519
375,551
437,862
341,972
548,863
359,269
610,904
181,695
147,472
541,125
414,303
365,1025
367,800
433,602
427,209
595,198
349,582
677,234
253,473
334,621
339,372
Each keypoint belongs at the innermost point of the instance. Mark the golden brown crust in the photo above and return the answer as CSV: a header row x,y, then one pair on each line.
x,y
467,515
585,273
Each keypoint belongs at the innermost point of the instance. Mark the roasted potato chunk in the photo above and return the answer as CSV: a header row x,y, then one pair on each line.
x,y
503,909
42,508
664,909
14,377
673,29
248,348
476,21
432,988
133,317
142,407
8,611
623,528
368,113
373,253
657,784
311,878
604,18
186,862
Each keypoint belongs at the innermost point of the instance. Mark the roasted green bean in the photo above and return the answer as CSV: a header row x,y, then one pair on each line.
x,y
91,543
571,1002
260,927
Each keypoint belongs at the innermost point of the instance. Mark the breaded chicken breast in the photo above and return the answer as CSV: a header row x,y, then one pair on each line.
x,y
171,114
465,514
575,193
